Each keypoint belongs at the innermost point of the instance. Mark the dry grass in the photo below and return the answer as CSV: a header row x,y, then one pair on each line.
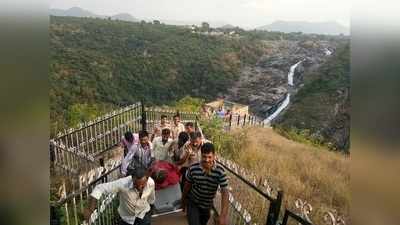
x,y
319,176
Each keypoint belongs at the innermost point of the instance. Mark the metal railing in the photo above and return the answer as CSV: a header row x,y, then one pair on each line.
x,y
78,149
294,217
79,162
240,121
68,210
153,116
252,199
234,121
82,151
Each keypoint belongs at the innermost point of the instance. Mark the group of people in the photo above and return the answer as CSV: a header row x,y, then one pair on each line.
x,y
207,112
172,153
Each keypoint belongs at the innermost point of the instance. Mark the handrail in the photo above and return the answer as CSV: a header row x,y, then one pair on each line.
x,y
274,209
67,197
273,212
298,218
76,193
247,182
99,120
97,154
77,152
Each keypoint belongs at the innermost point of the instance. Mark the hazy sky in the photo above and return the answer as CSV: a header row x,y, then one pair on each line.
x,y
245,13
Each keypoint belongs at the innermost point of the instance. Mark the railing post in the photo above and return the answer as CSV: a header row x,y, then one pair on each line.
x,y
195,124
244,120
52,152
274,209
230,121
54,219
238,120
144,125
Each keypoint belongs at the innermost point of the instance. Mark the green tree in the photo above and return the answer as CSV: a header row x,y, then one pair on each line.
x,y
79,113
189,104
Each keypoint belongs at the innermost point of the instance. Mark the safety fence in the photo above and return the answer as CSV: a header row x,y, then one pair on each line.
x,y
84,156
240,121
78,160
69,209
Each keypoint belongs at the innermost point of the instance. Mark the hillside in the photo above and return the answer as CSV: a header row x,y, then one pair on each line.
x,y
99,63
320,111
75,12
124,17
331,28
321,178
264,85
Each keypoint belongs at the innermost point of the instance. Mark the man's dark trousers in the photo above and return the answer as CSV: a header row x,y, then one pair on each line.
x,y
197,215
145,221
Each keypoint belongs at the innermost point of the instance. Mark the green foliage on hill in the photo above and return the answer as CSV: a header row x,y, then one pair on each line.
x,y
105,63
320,111
189,104
293,36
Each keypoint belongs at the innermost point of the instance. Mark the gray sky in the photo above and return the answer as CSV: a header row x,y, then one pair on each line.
x,y
244,13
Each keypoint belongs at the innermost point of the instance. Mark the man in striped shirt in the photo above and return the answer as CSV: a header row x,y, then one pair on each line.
x,y
201,185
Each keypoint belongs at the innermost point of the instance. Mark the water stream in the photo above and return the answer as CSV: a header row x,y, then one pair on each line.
x,y
285,102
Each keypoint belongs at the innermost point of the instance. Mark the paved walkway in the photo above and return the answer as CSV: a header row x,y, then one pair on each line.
x,y
178,218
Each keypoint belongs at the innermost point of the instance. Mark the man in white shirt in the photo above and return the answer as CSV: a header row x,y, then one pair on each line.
x,y
164,123
141,153
161,146
136,197
177,127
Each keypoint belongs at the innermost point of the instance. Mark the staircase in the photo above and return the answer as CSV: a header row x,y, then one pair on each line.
x,y
88,155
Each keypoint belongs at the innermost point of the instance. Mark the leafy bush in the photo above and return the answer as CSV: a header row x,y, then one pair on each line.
x,y
189,104
300,135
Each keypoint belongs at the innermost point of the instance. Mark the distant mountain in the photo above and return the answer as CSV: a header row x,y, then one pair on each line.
x,y
227,27
79,12
74,11
213,24
125,17
332,28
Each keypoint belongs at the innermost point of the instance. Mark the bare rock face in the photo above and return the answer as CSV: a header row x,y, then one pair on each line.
x,y
264,86
338,130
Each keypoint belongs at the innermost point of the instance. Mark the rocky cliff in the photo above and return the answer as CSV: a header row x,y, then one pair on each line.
x,y
320,110
265,85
